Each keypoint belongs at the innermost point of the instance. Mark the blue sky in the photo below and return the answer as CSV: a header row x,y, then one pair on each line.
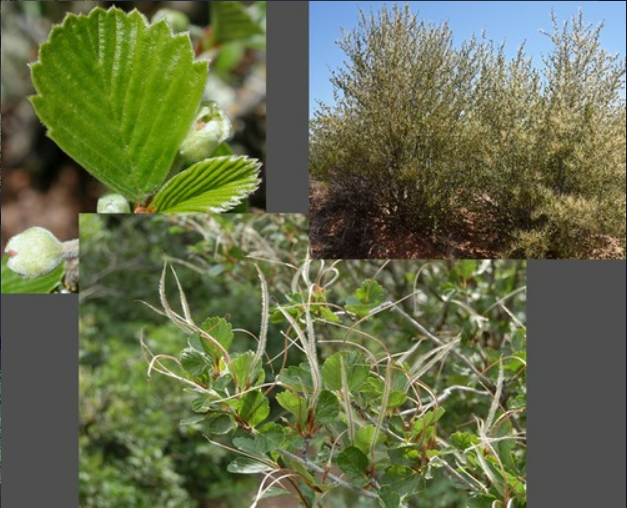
x,y
511,22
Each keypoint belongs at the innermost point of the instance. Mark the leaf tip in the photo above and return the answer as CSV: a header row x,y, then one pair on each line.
x,y
134,14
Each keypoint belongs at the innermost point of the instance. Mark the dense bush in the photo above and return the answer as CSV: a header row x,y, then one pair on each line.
x,y
132,451
357,410
425,132
142,444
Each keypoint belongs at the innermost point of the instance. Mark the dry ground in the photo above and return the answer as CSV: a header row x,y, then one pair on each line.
x,y
338,233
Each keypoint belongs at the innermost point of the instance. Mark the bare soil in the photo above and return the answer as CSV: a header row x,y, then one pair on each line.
x,y
338,232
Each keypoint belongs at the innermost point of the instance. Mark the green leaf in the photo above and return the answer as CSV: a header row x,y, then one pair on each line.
x,y
296,405
328,315
297,467
356,371
242,369
373,385
467,269
221,330
294,442
403,480
230,57
370,293
396,399
192,420
427,420
354,465
269,438
14,284
118,95
365,436
389,498
252,446
519,339
202,404
210,186
274,492
194,362
517,484
221,425
463,440
277,316
327,408
222,383
245,465
366,298
222,151
231,21
405,455
298,378
273,435
254,408
505,446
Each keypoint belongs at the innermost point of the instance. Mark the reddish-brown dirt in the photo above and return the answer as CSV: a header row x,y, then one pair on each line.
x,y
338,233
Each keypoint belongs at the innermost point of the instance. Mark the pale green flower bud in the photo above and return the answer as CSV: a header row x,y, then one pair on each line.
x,y
177,20
34,253
210,129
113,203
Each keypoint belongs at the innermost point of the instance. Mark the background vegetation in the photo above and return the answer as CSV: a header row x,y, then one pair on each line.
x,y
133,452
469,152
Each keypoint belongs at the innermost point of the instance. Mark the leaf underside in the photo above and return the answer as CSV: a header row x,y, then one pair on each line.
x,y
118,95
211,186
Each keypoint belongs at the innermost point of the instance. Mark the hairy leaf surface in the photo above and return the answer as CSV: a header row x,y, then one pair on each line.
x,y
211,186
118,95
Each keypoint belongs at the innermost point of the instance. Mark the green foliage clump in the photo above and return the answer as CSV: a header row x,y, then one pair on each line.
x,y
362,416
426,133
133,452
429,342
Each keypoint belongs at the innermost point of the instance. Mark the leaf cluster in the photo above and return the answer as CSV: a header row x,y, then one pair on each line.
x,y
368,418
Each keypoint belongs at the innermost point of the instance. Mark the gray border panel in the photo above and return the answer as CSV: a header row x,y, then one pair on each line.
x,y
40,429
287,167
576,383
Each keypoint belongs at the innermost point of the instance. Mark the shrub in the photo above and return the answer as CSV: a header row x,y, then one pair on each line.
x,y
133,453
426,132
367,417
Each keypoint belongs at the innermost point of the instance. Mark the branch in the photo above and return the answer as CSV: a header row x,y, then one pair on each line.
x,y
70,249
440,342
451,471
363,413
445,395
317,469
